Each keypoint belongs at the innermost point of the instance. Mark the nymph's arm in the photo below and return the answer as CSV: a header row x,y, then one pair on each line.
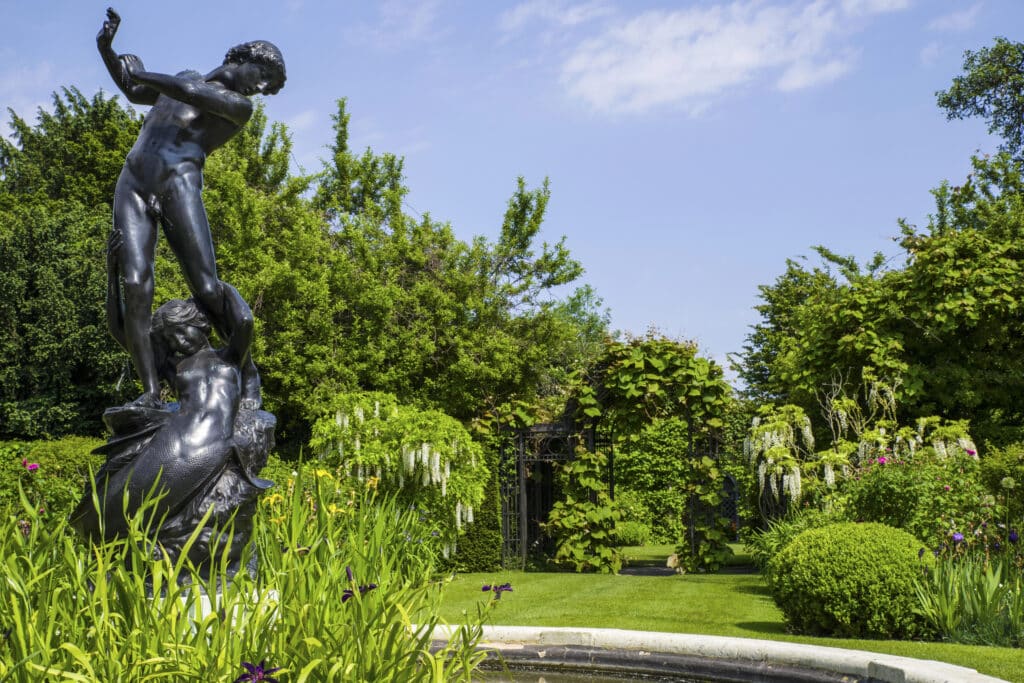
x,y
209,97
115,299
121,66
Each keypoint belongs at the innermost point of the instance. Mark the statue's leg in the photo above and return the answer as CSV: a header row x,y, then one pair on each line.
x,y
188,233
138,242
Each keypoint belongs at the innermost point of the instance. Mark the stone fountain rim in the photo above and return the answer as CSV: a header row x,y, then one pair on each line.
x,y
733,655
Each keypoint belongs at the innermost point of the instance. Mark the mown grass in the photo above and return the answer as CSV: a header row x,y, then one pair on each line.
x,y
726,604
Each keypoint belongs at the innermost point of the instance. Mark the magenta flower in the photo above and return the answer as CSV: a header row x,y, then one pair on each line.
x,y
30,466
882,460
971,452
257,672
946,487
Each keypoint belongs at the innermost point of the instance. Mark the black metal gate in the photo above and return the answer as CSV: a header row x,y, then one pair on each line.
x,y
529,489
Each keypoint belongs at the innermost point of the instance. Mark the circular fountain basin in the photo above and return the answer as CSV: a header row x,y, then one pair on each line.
x,y
565,654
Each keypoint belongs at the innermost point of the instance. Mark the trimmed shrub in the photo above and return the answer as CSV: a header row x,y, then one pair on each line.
x,y
480,547
851,580
631,533
764,544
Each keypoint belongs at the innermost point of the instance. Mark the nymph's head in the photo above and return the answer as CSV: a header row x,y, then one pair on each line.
x,y
181,327
267,58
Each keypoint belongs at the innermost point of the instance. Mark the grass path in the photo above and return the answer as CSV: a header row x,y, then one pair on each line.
x,y
718,604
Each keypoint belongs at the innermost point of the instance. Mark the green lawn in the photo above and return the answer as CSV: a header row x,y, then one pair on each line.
x,y
719,604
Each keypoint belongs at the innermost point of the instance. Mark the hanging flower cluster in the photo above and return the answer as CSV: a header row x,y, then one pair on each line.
x,y
425,456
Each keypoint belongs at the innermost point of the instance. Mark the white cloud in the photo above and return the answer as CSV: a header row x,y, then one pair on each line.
x,y
956,21
867,7
552,12
805,74
304,120
686,58
401,22
25,90
930,53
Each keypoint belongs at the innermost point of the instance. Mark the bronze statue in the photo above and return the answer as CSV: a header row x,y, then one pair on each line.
x,y
162,182
200,455
204,451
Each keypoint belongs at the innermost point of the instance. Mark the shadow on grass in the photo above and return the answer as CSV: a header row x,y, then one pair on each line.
x,y
754,590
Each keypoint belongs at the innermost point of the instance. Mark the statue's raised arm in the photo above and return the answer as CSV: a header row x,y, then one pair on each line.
x,y
121,67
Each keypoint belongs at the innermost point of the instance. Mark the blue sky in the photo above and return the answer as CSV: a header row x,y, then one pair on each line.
x,y
692,147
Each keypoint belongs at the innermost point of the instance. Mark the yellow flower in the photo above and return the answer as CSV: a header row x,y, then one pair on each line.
x,y
372,482
322,473
273,499
334,509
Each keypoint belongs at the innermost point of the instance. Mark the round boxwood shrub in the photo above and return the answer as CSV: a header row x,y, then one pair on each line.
x,y
850,580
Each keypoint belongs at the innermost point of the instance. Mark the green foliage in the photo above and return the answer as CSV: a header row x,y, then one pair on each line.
x,y
630,532
1002,472
633,386
764,544
113,612
439,322
479,549
583,523
991,87
850,580
55,484
930,495
424,457
941,328
639,380
974,601
347,290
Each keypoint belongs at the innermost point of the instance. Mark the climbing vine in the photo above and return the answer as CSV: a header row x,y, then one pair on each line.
x,y
634,383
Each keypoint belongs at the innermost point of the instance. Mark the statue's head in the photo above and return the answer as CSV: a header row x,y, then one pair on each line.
x,y
180,326
265,55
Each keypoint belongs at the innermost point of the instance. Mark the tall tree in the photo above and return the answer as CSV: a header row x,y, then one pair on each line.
x,y
991,87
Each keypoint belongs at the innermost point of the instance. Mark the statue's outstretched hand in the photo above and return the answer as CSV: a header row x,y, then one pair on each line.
x,y
106,34
132,64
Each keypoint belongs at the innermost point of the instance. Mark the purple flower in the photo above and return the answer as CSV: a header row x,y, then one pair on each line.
x,y
882,460
257,672
958,537
946,487
971,452
497,589
350,593
30,466
1013,537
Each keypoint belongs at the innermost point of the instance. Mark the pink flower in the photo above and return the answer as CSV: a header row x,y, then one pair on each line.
x,y
882,460
30,466
970,452
946,487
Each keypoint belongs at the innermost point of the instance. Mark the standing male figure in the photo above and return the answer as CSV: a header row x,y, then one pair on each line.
x,y
162,181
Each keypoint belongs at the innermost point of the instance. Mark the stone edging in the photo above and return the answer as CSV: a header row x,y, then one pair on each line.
x,y
732,655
